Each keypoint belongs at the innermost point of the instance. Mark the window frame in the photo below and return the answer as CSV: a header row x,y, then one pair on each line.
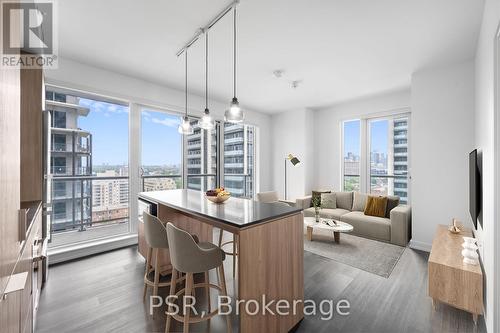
x,y
365,147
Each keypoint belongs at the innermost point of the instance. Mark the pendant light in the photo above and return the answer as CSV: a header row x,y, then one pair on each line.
x,y
185,126
206,122
234,114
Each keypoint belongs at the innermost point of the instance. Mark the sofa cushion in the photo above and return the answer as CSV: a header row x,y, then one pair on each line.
x,y
376,206
328,200
309,212
318,195
335,214
392,202
369,226
359,202
344,200
326,213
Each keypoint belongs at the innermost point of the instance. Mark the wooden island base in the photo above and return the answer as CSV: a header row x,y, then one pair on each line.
x,y
270,257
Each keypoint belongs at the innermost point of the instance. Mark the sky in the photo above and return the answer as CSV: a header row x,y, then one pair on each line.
x,y
108,146
161,143
378,133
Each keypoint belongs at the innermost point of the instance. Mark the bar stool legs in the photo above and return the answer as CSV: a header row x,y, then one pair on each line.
x,y
224,293
189,291
173,283
189,287
147,271
234,253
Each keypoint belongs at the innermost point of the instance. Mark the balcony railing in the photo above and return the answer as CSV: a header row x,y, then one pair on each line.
x,y
161,182
75,208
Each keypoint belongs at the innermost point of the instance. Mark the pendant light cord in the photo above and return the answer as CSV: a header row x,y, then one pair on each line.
x,y
234,52
206,69
186,82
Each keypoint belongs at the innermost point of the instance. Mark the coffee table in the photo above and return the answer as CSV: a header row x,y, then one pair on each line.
x,y
340,227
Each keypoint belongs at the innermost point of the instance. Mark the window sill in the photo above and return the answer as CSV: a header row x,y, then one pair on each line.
x,y
71,252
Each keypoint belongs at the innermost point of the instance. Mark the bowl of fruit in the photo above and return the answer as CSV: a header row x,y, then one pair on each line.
x,y
219,195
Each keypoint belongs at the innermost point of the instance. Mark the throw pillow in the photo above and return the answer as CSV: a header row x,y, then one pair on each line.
x,y
344,200
392,202
317,194
376,206
359,202
328,200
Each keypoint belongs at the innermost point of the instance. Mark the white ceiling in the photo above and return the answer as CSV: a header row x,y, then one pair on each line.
x,y
339,49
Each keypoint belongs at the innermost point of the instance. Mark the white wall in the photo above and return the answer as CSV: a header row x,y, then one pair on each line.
x,y
87,78
327,132
442,136
484,139
292,133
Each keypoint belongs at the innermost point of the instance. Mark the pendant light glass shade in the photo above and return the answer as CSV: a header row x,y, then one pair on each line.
x,y
234,114
206,122
185,126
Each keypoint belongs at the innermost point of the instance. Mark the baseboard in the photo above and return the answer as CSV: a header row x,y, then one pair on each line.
x,y
416,245
58,255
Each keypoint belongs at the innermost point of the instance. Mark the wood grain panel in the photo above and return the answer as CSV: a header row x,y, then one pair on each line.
x,y
10,107
31,134
270,263
450,280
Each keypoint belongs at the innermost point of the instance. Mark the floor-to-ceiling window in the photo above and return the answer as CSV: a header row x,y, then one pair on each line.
x,y
89,167
352,155
380,144
92,186
161,151
239,159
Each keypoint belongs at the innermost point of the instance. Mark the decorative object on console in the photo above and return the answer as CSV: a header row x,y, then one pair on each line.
x,y
469,251
455,226
294,160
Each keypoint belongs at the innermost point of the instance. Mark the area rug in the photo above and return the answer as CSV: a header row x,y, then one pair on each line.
x,y
368,255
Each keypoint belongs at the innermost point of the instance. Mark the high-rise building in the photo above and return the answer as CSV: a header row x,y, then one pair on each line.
x,y
239,157
401,159
70,155
201,159
110,197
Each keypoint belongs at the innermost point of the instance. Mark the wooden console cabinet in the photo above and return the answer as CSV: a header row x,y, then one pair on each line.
x,y
450,280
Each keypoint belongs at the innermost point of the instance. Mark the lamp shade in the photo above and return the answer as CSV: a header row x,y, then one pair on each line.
x,y
293,159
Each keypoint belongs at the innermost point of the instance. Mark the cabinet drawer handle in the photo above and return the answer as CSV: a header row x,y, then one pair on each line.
x,y
42,250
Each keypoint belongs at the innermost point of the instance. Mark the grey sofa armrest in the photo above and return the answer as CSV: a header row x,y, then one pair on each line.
x,y
304,202
401,225
290,203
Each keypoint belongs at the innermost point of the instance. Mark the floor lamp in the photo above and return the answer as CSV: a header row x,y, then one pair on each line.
x,y
294,160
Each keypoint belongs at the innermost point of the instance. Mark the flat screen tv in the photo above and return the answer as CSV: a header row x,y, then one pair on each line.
x,y
475,191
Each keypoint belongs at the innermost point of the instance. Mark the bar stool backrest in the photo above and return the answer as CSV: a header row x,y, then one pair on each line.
x,y
185,254
154,232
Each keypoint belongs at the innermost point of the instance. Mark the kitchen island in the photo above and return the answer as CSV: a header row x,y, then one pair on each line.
x,y
270,256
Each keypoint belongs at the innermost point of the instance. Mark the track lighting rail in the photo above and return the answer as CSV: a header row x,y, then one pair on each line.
x,y
207,27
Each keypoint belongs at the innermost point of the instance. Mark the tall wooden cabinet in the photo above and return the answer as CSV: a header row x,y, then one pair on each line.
x,y
21,179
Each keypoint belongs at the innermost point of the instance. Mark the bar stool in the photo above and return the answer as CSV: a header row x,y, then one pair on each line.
x,y
189,257
155,235
234,254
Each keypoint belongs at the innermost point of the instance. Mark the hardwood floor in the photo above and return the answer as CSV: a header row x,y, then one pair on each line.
x,y
103,293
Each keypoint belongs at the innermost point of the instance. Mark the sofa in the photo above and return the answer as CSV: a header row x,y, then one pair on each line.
x,y
394,227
